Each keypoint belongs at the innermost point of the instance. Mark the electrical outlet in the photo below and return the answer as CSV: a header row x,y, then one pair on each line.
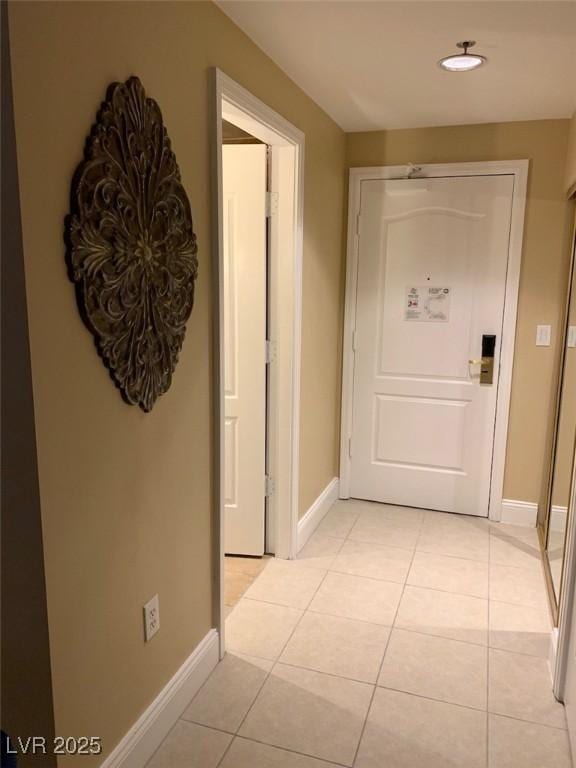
x,y
151,618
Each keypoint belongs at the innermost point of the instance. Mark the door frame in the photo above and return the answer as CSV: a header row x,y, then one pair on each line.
x,y
562,635
519,170
234,103
562,638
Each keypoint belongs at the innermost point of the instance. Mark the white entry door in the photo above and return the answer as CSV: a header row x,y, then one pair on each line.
x,y
432,262
244,222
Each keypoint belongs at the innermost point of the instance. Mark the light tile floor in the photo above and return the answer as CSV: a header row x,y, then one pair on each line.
x,y
399,638
239,574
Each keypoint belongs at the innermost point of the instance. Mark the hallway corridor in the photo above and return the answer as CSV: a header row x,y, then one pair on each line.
x,y
400,638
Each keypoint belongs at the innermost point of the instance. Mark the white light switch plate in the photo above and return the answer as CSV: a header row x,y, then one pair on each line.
x,y
543,333
571,340
151,618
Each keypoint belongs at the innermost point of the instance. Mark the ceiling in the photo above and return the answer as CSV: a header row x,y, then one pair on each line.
x,y
373,65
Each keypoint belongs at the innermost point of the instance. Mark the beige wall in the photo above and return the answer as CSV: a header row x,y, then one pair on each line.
x,y
544,264
571,160
126,496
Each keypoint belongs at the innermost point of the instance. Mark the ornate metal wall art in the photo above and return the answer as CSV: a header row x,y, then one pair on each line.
x,y
131,249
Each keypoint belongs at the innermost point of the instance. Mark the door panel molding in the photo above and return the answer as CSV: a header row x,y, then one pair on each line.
x,y
245,310
519,170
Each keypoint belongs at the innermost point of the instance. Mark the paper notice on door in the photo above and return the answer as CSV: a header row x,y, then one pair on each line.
x,y
427,304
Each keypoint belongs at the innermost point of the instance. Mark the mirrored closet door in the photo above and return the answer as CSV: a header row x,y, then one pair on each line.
x,y
564,444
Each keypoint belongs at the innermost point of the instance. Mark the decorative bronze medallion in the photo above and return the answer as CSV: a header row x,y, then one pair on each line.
x,y
131,249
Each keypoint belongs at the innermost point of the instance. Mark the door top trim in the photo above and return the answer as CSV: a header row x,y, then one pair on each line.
x,y
515,168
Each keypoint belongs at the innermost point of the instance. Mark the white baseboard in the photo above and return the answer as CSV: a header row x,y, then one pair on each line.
x,y
552,654
558,517
313,516
143,739
519,512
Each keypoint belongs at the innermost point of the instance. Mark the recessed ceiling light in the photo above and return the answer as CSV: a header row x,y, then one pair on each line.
x,y
463,62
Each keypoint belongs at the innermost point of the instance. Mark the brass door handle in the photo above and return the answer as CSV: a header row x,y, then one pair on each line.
x,y
486,362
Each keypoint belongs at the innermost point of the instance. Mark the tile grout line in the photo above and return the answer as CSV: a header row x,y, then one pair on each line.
x,y
386,581
404,584
280,749
529,722
363,730
264,681
274,663
405,629
414,551
406,692
391,626
384,687
398,583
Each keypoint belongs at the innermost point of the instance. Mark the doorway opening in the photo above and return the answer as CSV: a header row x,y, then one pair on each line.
x,y
246,216
258,163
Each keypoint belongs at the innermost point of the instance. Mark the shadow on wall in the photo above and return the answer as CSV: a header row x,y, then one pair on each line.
x,y
27,708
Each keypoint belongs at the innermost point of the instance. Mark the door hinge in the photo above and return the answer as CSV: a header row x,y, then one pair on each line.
x,y
354,340
270,352
271,203
269,486
358,223
350,447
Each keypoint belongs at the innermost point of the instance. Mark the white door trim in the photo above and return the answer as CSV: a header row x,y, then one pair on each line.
x,y
236,104
567,598
316,512
516,168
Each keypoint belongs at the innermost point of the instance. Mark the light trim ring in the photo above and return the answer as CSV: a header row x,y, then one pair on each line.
x,y
463,62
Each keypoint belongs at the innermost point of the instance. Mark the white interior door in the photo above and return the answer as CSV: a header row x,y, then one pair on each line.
x,y
432,262
244,223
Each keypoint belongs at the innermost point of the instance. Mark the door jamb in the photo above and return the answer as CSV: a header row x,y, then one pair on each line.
x,y
567,599
516,168
235,103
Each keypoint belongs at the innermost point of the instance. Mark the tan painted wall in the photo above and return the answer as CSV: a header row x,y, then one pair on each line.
x,y
544,264
571,161
126,497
